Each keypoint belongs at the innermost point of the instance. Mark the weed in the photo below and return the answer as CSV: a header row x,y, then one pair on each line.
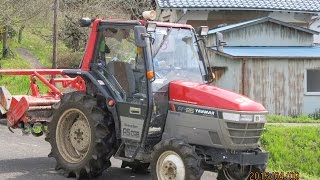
x,y
293,149
287,119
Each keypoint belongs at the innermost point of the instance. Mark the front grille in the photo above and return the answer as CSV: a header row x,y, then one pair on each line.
x,y
244,133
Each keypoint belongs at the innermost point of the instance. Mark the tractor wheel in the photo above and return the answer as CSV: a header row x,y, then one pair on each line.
x,y
175,160
234,172
81,135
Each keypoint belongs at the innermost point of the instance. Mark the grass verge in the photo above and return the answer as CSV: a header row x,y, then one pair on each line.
x,y
287,119
293,149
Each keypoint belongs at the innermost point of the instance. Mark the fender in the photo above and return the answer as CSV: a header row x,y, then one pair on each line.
x,y
88,76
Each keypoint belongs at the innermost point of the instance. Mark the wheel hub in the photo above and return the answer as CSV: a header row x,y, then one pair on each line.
x,y
73,135
170,166
170,170
79,135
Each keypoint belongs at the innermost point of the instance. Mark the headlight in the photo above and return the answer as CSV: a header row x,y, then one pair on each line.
x,y
231,116
246,117
243,117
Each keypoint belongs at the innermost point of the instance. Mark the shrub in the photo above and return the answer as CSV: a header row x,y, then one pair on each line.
x,y
69,60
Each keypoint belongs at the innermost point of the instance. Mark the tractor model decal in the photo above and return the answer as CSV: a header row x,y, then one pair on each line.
x,y
195,110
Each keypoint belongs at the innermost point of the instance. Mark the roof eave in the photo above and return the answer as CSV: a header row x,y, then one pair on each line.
x,y
263,57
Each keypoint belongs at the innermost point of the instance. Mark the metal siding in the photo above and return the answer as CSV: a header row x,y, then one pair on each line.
x,y
276,83
269,82
279,85
230,79
268,34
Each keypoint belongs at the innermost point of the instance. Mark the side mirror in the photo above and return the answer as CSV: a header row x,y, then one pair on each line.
x,y
139,36
203,30
85,22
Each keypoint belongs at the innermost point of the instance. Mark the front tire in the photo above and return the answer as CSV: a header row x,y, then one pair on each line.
x,y
234,172
175,160
81,135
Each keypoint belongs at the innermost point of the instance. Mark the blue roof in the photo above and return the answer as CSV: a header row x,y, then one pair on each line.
x,y
266,52
309,6
257,21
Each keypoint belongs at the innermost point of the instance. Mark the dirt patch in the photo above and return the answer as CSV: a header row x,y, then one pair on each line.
x,y
27,55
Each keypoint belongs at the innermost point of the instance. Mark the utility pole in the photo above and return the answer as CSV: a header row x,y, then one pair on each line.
x,y
55,34
5,49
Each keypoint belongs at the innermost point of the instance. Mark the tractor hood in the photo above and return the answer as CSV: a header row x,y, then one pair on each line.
x,y
210,96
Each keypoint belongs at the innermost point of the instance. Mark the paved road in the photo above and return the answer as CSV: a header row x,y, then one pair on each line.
x,y
25,158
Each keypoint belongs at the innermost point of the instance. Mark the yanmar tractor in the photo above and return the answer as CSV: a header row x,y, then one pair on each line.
x,y
141,95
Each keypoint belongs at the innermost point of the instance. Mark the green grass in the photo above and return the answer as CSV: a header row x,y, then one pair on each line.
x,y
15,84
39,47
288,119
293,149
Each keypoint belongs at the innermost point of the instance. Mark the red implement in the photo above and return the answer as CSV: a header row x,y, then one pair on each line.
x,y
16,107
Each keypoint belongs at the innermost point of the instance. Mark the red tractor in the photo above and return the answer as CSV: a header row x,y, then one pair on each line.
x,y
141,95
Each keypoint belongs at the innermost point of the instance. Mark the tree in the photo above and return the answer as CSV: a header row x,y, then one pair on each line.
x,y
16,13
55,34
72,10
134,8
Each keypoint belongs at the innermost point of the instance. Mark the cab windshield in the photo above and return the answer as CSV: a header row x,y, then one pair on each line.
x,y
176,56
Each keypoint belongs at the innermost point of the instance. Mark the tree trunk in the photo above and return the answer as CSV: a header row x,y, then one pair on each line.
x,y
55,34
20,34
5,49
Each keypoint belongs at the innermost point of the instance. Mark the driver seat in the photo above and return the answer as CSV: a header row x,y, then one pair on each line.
x,y
124,75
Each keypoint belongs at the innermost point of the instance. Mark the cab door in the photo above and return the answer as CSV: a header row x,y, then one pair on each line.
x,y
125,62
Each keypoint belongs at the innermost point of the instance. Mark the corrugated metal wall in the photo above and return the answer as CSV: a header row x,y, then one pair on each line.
x,y
276,83
268,34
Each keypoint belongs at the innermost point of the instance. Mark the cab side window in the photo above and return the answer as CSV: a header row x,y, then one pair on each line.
x,y
121,58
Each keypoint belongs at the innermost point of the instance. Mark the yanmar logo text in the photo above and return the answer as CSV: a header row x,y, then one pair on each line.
x,y
203,111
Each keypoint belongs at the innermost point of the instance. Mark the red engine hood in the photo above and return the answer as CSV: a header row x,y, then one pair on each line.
x,y
210,96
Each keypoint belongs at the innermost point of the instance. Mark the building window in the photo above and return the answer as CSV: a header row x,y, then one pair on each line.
x,y
312,85
218,72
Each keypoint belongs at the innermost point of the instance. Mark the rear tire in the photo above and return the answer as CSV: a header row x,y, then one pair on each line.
x,y
175,159
81,135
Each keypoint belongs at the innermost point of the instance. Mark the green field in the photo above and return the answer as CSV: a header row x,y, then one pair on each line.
x,y
293,149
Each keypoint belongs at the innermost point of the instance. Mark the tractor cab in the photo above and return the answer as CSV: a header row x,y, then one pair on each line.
x,y
138,76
